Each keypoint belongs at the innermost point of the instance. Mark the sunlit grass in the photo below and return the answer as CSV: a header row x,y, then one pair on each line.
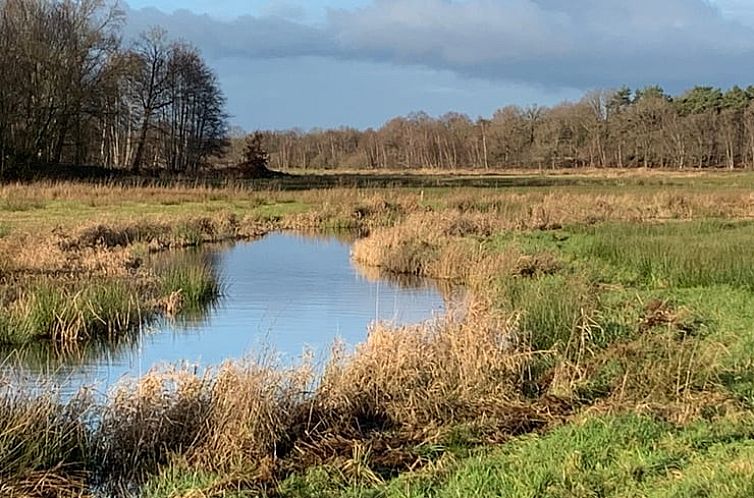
x,y
69,314
586,295
694,254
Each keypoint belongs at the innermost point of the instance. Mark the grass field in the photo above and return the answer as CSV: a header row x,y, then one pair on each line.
x,y
607,348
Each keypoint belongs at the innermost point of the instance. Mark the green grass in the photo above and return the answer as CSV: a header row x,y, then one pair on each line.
x,y
176,482
612,456
657,310
651,255
67,314
197,283
550,307
677,255
74,212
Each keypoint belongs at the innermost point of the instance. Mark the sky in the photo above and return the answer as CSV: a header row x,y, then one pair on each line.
x,y
329,63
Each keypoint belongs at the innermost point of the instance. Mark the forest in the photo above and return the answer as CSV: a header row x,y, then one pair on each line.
x,y
704,127
73,93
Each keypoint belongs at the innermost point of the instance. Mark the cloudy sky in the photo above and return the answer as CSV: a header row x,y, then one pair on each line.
x,y
326,63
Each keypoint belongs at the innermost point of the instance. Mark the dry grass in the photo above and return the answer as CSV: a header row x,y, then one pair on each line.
x,y
447,246
431,374
254,408
436,245
43,443
258,422
149,419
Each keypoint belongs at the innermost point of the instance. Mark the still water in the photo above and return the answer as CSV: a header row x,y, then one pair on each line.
x,y
285,293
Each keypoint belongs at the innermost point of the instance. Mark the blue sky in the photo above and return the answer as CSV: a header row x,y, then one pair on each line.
x,y
327,63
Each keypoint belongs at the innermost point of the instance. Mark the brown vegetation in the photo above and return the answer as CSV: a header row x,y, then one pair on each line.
x,y
702,128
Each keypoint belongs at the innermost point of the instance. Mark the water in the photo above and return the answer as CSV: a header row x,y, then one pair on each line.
x,y
284,293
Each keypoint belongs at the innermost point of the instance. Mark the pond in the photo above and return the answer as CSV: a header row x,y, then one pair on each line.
x,y
285,293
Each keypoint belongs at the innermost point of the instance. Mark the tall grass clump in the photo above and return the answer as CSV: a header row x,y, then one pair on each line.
x,y
67,314
445,245
228,420
188,287
551,307
43,443
147,420
431,374
254,415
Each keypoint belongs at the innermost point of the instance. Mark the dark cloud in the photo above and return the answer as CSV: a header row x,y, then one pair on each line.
x,y
251,37
558,43
579,43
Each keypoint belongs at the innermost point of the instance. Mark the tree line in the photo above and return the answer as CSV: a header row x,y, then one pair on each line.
x,y
701,128
72,93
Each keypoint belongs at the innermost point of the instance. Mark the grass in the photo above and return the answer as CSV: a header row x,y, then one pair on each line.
x,y
179,483
611,456
42,444
67,315
189,287
605,348
698,254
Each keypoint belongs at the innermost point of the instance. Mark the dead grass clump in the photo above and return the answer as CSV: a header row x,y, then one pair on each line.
x,y
470,225
377,208
33,254
45,484
159,235
101,235
445,246
425,244
43,443
435,373
406,248
251,414
148,420
109,263
172,304
545,263
659,370
228,421
659,312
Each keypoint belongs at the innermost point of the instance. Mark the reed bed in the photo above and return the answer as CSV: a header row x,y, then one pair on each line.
x,y
69,314
43,443
259,422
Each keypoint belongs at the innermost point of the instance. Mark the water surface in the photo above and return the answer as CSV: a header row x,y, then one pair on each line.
x,y
283,293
